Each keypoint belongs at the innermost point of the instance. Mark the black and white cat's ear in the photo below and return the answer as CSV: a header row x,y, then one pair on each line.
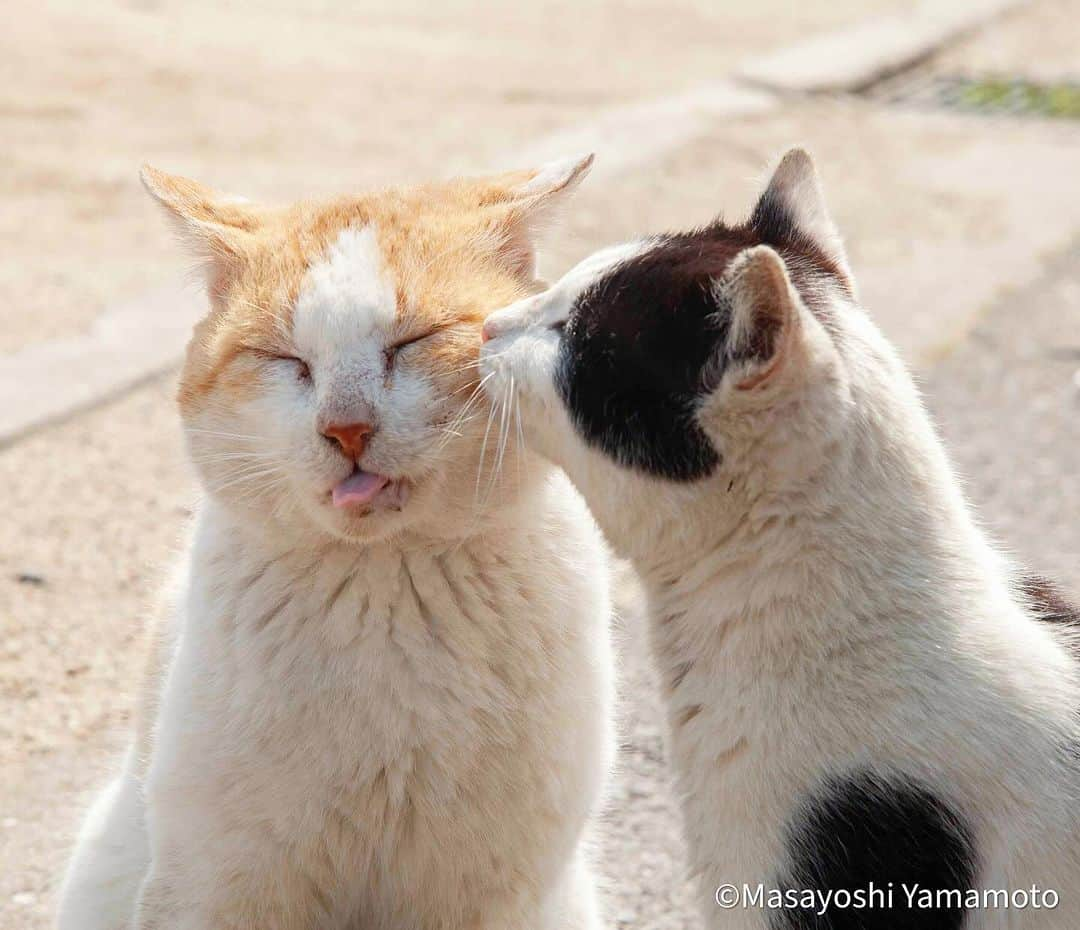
x,y
215,227
794,197
532,201
764,318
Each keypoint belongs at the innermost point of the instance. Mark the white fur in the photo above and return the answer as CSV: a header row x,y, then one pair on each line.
x,y
553,305
347,296
824,601
395,721
110,858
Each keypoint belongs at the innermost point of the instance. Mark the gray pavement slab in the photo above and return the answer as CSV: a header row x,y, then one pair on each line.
x,y
1038,40
1008,404
129,342
857,54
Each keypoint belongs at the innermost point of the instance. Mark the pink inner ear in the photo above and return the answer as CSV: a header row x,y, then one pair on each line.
x,y
538,198
760,377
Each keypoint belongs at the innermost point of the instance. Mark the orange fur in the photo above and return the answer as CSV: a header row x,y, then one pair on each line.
x,y
453,251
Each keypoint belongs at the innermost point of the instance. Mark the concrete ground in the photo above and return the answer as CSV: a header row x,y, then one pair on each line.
x,y
964,233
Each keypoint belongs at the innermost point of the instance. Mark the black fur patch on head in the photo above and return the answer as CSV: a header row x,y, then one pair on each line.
x,y
773,222
860,830
636,345
632,356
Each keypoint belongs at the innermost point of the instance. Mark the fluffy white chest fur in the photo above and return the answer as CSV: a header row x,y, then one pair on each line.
x,y
377,737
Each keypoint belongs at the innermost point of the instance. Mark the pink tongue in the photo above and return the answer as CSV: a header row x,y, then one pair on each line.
x,y
359,488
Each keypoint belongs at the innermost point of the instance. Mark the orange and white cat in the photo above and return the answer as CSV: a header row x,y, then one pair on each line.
x,y
382,697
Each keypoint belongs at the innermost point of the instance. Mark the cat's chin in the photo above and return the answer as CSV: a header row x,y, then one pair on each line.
x,y
360,529
382,516
364,493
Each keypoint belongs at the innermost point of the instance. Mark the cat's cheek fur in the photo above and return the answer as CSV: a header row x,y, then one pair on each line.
x,y
518,369
782,428
286,466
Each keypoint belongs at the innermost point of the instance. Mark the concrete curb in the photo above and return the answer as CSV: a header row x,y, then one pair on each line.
x,y
126,345
852,58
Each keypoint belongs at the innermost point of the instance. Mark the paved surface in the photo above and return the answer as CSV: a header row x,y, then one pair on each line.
x,y
1008,401
868,50
1039,41
964,234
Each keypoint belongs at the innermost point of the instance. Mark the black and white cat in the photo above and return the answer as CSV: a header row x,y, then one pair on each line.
x,y
864,696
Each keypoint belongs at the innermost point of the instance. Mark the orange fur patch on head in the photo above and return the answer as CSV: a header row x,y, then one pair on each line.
x,y
454,251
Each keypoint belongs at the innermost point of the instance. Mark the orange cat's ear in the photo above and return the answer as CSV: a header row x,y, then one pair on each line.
x,y
553,178
216,227
531,200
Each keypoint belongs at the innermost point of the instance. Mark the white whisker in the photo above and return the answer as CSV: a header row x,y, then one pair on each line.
x,y
483,454
228,456
221,433
520,431
242,476
462,417
504,420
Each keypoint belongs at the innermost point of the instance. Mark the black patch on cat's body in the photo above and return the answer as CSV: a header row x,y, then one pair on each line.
x,y
860,830
638,341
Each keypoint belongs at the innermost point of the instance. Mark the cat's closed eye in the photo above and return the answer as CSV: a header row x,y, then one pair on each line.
x,y
302,369
391,351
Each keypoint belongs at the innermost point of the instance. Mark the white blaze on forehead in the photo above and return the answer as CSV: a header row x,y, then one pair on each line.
x,y
347,297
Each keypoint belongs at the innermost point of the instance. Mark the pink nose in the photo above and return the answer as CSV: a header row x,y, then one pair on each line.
x,y
351,437
486,333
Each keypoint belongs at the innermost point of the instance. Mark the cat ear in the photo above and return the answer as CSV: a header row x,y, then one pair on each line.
x,y
764,317
794,196
216,227
555,177
533,200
